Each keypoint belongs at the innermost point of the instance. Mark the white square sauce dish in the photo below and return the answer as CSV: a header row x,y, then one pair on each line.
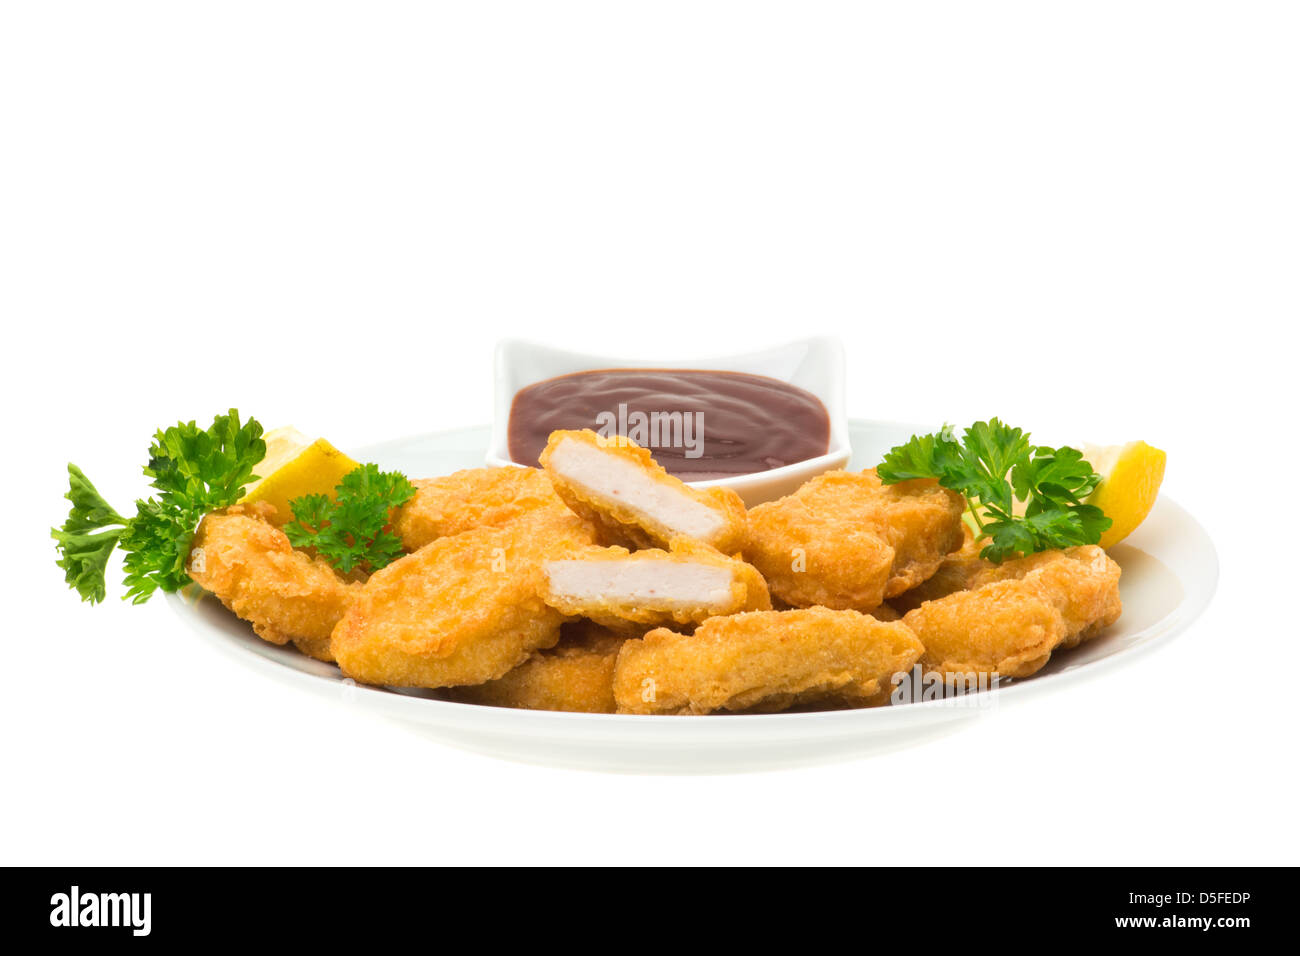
x,y
815,365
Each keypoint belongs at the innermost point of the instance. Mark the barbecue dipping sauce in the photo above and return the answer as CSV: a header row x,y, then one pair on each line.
x,y
697,424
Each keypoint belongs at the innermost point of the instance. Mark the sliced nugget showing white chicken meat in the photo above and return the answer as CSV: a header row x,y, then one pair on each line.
x,y
632,500
685,585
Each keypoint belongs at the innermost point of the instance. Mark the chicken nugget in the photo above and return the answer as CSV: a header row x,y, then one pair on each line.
x,y
685,585
764,660
1017,613
576,675
248,563
1083,581
462,610
473,498
1005,628
634,502
845,540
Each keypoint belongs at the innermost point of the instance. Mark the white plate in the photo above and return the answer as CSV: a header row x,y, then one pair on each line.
x,y
1170,573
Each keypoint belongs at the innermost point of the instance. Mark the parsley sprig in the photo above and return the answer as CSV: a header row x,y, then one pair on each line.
x,y
352,530
88,537
195,470
995,466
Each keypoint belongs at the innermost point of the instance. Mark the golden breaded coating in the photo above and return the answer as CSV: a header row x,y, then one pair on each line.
x,y
884,612
764,660
552,531
576,675
461,610
1006,628
1085,578
1017,613
469,499
685,585
956,573
250,566
845,540
634,502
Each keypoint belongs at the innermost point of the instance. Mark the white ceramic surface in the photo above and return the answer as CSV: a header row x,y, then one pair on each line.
x,y
1170,573
816,365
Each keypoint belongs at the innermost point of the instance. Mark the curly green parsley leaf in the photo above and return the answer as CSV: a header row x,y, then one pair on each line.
x,y
195,471
352,530
1023,498
83,544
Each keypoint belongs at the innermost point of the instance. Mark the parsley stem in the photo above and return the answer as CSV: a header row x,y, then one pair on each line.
x,y
970,505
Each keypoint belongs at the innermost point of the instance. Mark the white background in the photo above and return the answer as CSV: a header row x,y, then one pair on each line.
x,y
1080,217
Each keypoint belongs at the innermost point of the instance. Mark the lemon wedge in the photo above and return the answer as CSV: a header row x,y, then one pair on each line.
x,y
295,465
1130,480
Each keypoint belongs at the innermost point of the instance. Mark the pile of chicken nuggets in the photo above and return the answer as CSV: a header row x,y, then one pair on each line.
x,y
600,583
